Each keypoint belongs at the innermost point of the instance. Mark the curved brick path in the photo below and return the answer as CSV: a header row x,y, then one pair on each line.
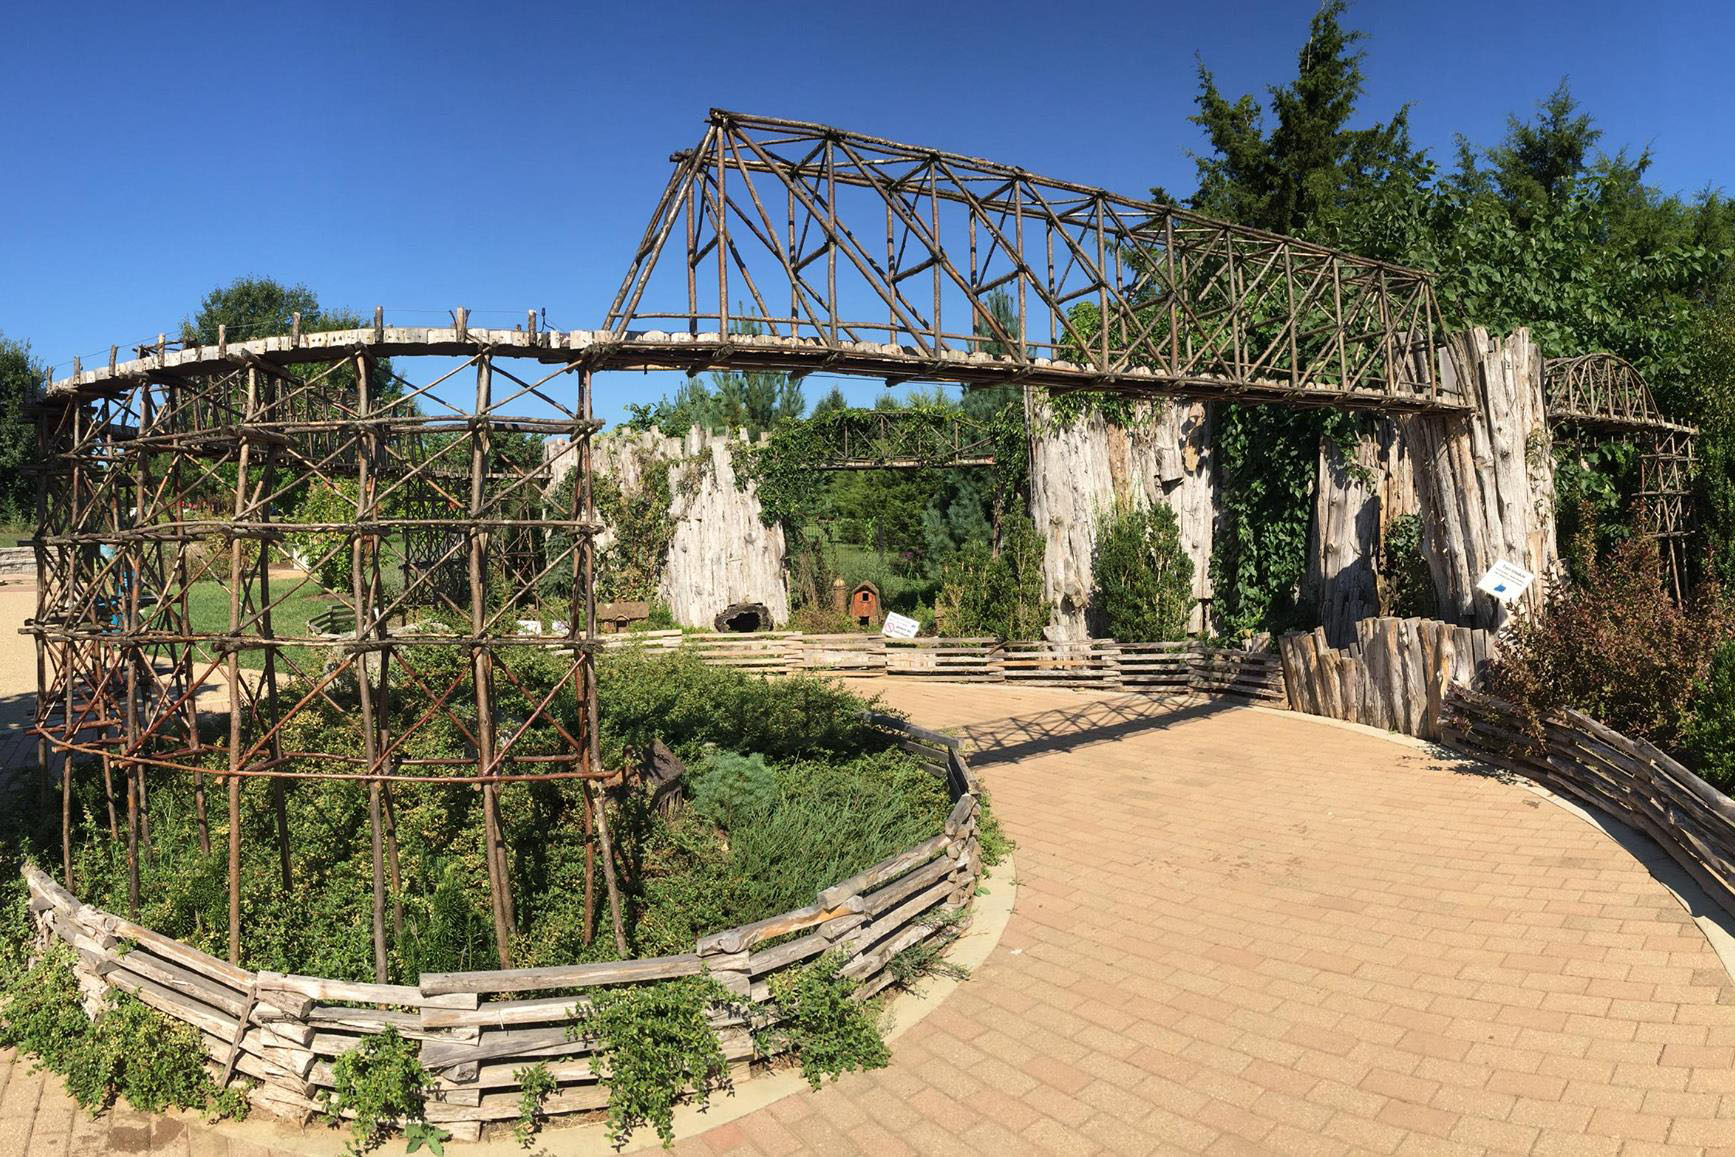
x,y
1242,930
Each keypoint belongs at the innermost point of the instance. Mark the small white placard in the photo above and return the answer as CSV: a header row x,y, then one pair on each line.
x,y
1506,581
899,626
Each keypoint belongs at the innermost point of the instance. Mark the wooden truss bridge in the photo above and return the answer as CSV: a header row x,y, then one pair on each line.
x,y
1600,394
900,440
865,256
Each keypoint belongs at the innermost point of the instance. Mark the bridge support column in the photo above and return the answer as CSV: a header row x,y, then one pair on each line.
x,y
1357,496
1485,480
1078,470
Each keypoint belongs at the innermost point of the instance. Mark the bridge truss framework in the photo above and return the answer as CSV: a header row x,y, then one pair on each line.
x,y
1601,394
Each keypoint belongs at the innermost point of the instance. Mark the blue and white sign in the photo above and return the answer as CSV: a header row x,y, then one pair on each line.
x,y
1506,581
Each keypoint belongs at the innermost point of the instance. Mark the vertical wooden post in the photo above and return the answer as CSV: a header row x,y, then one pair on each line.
x,y
587,664
236,691
183,651
363,546
482,671
579,618
262,561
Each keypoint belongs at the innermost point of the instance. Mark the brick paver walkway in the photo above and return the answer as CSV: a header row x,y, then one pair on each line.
x,y
1242,930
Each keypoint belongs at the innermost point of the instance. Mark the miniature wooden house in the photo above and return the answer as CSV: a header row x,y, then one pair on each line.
x,y
864,604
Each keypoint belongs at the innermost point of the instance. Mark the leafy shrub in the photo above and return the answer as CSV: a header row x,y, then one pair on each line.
x,y
382,1084
1615,647
814,619
829,1030
654,1042
1143,578
1408,585
129,1050
1709,737
687,704
152,1060
41,1013
535,1083
927,958
329,503
995,593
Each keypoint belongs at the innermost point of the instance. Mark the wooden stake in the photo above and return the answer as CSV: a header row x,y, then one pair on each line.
x,y
236,691
362,548
483,663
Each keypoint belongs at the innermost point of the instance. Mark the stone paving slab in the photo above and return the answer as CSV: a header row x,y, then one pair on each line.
x,y
1242,931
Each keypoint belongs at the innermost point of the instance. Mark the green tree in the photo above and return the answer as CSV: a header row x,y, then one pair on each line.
x,y
1143,577
250,307
21,377
1310,175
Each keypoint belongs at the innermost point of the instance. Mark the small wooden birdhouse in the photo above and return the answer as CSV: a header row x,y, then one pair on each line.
x,y
864,604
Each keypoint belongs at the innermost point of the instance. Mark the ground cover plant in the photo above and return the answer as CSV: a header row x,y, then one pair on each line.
x,y
787,791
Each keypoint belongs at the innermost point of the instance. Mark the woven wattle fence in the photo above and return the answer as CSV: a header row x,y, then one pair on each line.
x,y
284,1031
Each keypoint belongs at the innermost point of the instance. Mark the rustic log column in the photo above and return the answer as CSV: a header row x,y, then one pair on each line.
x,y
1079,470
237,710
482,660
1486,479
364,549
1355,499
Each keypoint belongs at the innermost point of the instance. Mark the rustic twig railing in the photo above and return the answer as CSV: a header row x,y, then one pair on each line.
x,y
1174,667
284,1031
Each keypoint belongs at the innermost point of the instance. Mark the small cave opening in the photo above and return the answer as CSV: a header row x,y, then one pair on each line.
x,y
743,618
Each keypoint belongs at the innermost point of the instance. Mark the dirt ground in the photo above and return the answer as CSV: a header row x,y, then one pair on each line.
x,y
17,657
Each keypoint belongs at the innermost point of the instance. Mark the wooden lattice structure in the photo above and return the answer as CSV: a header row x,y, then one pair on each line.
x,y
900,440
169,480
1601,395
799,247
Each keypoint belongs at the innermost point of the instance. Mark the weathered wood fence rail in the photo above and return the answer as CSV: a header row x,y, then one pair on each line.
x,y
1631,779
1176,667
1394,676
284,1031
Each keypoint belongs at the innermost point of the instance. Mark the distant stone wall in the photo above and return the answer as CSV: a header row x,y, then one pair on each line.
x,y
1079,470
722,552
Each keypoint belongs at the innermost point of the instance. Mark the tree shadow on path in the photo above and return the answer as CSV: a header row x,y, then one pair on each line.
x,y
1069,728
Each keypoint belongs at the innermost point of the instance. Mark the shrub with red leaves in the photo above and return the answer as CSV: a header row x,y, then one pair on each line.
x,y
1613,646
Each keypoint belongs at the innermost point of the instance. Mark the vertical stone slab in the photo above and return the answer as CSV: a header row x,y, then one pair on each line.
x,y
1077,471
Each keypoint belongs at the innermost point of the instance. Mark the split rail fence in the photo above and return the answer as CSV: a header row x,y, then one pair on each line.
x,y
1631,779
1172,667
474,1028
1418,676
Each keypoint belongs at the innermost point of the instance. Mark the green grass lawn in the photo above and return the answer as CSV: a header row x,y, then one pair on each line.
x,y
302,598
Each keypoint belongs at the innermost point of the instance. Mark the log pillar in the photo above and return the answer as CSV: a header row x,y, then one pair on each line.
x,y
1078,470
1485,479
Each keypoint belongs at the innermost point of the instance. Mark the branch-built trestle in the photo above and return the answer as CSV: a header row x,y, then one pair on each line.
x,y
235,559
1602,395
798,246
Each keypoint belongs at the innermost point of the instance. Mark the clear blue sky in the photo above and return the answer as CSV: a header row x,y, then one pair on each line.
x,y
507,156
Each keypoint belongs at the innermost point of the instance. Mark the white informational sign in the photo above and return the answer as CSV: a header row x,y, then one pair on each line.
x,y
1506,581
899,626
